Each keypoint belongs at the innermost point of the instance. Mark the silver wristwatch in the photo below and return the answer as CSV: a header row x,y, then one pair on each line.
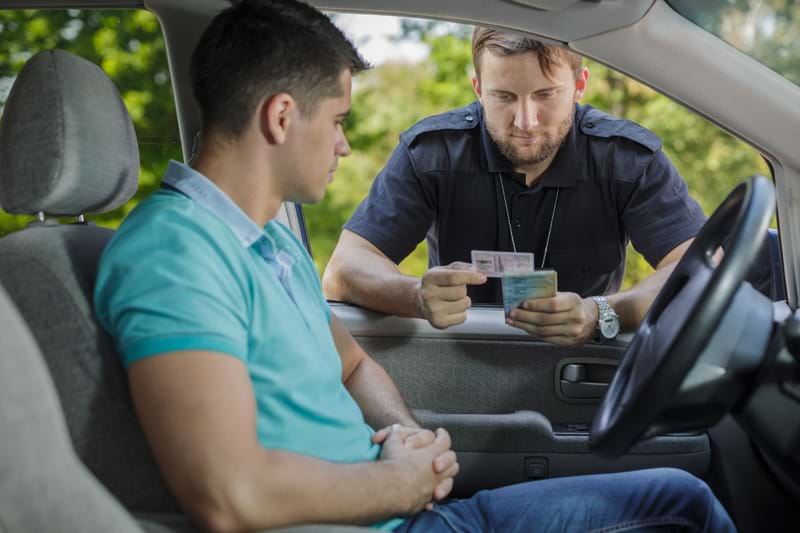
x,y
607,320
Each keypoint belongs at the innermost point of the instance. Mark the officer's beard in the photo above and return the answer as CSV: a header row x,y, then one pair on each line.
x,y
535,154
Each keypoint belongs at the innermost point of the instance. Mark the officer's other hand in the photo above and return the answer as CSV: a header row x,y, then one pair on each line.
x,y
443,296
565,319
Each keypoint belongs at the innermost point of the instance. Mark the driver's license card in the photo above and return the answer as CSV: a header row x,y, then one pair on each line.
x,y
495,264
520,286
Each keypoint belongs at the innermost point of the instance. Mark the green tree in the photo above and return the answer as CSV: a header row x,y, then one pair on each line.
x,y
764,29
711,161
128,45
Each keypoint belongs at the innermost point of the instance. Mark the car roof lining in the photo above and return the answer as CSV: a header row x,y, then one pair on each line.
x,y
73,4
563,20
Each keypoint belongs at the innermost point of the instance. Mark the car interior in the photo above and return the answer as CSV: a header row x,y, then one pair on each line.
x,y
709,383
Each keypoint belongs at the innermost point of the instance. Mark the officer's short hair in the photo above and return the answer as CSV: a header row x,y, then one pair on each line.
x,y
505,43
257,48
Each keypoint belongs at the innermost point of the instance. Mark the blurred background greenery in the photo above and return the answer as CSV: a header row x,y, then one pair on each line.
x,y
129,47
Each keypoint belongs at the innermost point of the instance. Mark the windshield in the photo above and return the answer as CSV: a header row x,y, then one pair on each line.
x,y
766,30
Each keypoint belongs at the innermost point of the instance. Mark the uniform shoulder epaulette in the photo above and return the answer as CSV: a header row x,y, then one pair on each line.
x,y
599,124
463,118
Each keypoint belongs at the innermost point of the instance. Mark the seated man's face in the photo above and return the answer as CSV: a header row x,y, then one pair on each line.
x,y
315,143
527,114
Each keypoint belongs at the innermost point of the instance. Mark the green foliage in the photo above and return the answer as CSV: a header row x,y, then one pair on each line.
x,y
129,47
764,29
711,161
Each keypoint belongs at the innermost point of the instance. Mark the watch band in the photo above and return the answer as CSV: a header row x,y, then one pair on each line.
x,y
602,306
604,312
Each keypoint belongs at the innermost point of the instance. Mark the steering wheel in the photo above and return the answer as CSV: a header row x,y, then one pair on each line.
x,y
683,318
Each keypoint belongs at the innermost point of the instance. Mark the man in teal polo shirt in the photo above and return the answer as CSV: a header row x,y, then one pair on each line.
x,y
259,406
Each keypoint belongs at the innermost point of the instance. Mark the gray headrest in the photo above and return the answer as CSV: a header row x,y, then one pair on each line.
x,y
67,144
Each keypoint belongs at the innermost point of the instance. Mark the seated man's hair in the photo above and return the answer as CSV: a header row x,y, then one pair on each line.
x,y
257,48
503,43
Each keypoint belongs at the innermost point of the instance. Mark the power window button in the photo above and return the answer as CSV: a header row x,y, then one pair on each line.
x,y
535,468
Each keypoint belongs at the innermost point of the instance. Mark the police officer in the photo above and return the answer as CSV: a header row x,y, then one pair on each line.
x,y
525,168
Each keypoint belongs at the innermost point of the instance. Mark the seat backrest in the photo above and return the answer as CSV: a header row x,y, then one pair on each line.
x,y
43,485
67,148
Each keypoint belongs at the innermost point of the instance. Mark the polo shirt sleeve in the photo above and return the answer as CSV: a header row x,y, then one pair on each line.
x,y
168,291
659,213
399,210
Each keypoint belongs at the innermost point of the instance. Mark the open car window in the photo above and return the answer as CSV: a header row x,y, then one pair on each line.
x,y
424,67
766,30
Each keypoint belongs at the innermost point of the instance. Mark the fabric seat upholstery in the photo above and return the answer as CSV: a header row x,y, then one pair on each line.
x,y
38,467
67,147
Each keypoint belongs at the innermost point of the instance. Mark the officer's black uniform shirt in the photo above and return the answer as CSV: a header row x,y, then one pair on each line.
x,y
614,184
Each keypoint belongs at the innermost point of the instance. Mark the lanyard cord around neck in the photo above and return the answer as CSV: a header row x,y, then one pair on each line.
x,y
511,231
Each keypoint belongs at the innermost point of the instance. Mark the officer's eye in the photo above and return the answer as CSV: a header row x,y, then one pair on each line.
x,y
546,94
503,97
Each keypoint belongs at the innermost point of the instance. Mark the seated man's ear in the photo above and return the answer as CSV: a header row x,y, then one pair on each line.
x,y
275,117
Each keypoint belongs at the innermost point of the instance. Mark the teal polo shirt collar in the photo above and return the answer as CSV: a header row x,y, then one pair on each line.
x,y
202,190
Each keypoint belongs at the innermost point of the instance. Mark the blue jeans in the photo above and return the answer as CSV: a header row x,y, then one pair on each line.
x,y
662,499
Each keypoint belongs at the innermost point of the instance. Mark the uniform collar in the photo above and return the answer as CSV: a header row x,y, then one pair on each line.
x,y
200,189
561,173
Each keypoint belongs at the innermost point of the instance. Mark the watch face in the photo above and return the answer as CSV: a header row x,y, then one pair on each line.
x,y
609,327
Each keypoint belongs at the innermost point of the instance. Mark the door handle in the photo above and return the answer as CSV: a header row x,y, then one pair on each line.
x,y
585,380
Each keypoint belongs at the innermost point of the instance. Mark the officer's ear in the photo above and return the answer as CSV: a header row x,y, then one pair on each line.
x,y
275,117
476,86
581,82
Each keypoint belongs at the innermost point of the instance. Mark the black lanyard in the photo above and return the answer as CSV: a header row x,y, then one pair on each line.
x,y
511,230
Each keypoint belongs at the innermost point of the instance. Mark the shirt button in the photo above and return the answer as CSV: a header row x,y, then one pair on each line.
x,y
517,224
590,124
468,118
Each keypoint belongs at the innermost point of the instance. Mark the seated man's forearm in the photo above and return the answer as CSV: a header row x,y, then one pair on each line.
x,y
273,488
199,414
378,397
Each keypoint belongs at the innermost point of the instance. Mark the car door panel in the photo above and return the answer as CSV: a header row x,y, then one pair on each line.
x,y
500,394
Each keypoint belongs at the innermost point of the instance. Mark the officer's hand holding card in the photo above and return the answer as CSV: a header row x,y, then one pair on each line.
x,y
521,286
443,293
520,280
